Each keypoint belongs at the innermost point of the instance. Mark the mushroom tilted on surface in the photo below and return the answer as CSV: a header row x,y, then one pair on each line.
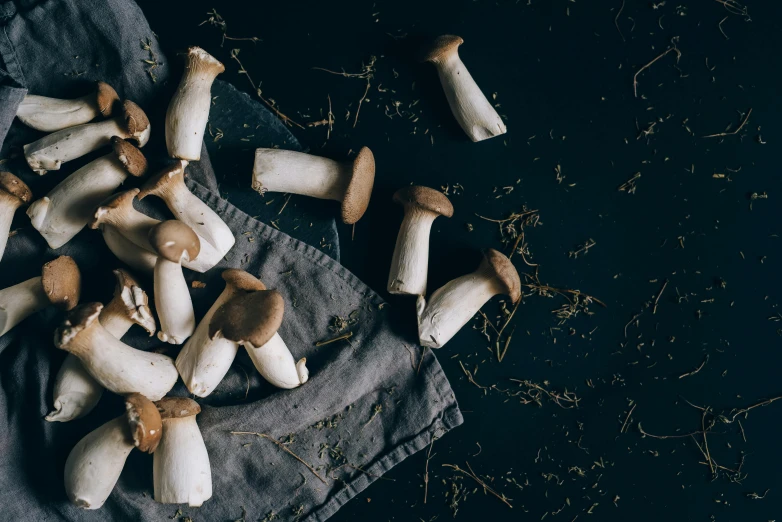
x,y
76,392
410,264
52,114
139,259
173,241
59,284
51,151
451,306
13,194
95,463
180,466
351,184
203,362
169,185
188,110
69,206
115,365
252,320
469,105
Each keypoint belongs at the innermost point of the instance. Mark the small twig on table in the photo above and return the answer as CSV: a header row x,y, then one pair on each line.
x,y
616,20
627,419
282,447
696,370
475,477
732,133
335,339
657,299
673,48
426,468
367,73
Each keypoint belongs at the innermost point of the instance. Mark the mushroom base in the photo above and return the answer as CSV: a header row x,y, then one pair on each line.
x,y
76,392
180,465
173,303
20,301
275,363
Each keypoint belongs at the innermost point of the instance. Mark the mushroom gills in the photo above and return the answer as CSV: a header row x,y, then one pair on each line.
x,y
180,465
275,363
21,301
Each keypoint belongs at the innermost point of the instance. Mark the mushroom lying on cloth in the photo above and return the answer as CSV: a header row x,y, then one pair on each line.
x,y
13,194
252,320
69,206
95,463
470,107
277,170
203,362
180,465
115,365
410,264
76,392
451,306
52,114
59,284
51,151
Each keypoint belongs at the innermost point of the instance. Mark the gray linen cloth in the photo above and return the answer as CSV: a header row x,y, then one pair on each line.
x,y
370,401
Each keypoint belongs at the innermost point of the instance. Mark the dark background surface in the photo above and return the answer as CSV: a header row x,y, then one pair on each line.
x,y
563,78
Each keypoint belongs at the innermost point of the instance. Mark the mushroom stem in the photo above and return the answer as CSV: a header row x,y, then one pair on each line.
x,y
188,110
410,264
139,259
275,363
173,303
278,170
51,114
469,105
76,392
8,206
21,301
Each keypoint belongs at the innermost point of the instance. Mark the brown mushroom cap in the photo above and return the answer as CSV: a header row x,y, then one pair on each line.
x,y
359,190
249,318
61,282
177,407
162,182
106,97
110,209
174,241
498,265
241,280
136,121
424,198
80,319
131,301
442,47
15,187
131,157
146,426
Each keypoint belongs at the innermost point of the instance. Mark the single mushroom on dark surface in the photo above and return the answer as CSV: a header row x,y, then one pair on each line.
x,y
410,263
115,365
469,105
451,306
69,206
252,320
59,284
52,114
277,170
174,242
95,463
188,110
169,185
51,151
13,194
76,392
203,362
180,466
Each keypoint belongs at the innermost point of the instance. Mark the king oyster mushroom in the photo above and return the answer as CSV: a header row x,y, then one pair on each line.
x,y
51,151
95,463
69,206
52,114
13,194
59,285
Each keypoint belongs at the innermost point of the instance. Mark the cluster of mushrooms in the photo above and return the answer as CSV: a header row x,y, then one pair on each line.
x,y
246,314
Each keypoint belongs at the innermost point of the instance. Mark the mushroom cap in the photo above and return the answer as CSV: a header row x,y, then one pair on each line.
x,y
161,182
114,205
251,318
359,190
499,266
80,319
105,97
177,407
144,421
61,281
200,59
15,187
424,198
133,301
174,241
131,158
241,280
136,122
442,46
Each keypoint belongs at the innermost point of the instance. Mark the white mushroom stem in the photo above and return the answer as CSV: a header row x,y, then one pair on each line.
x,y
410,263
95,464
180,465
76,392
275,363
8,206
52,114
139,259
279,170
20,301
173,303
70,205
